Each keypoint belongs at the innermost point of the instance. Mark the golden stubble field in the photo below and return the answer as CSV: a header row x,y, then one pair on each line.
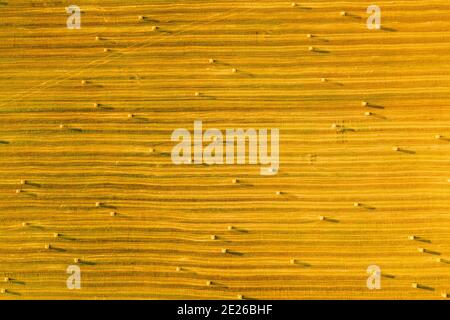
x,y
86,176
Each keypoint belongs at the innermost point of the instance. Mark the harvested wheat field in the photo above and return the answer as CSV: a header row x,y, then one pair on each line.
x,y
87,178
